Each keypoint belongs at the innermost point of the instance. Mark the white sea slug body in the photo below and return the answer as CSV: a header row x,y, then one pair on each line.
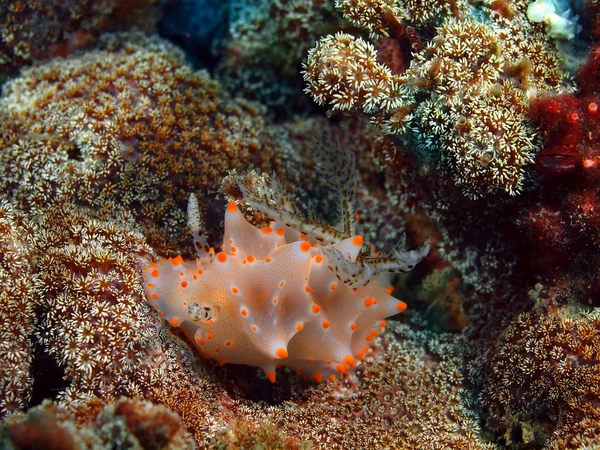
x,y
270,297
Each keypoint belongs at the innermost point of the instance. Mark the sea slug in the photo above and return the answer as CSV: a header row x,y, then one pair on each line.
x,y
295,293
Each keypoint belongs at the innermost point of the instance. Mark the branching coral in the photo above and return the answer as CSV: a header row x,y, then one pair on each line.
x,y
537,366
463,98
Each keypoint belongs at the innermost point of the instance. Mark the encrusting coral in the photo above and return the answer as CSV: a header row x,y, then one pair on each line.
x,y
133,424
407,394
36,30
463,99
544,373
16,311
92,322
127,127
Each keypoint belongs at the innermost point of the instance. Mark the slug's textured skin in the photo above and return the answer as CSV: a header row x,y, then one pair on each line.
x,y
269,298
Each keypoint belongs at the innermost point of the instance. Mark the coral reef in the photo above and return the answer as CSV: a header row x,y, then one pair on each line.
x,y
261,56
379,403
16,311
127,127
447,107
463,99
544,374
35,30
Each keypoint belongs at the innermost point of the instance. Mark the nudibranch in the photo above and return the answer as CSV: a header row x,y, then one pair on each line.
x,y
298,292
274,296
